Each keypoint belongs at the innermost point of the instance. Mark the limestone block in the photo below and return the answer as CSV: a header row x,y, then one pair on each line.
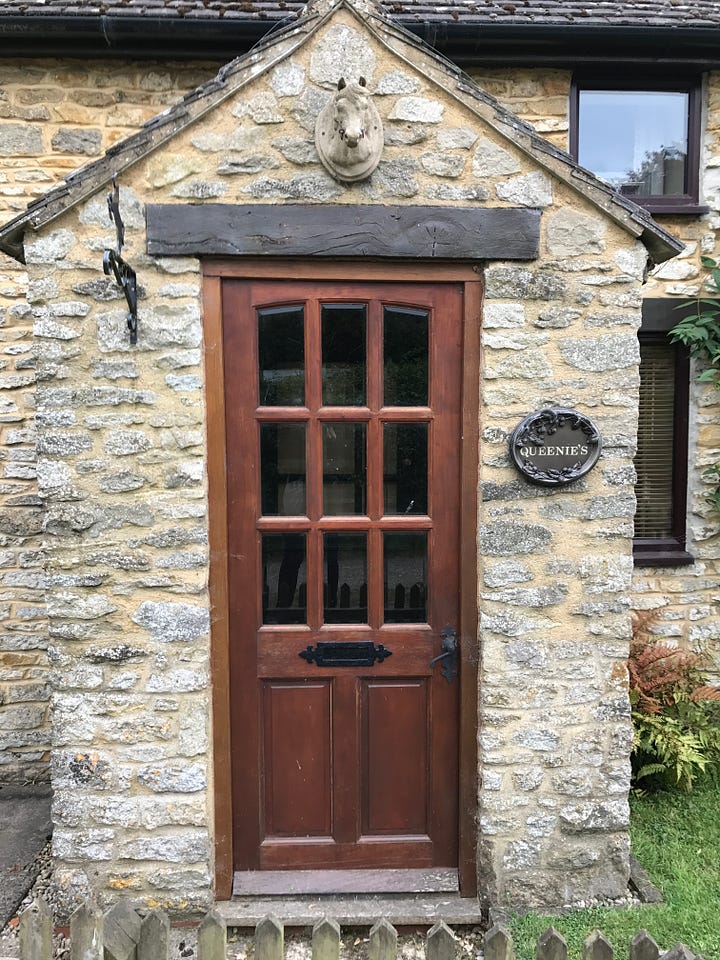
x,y
490,160
595,816
417,110
316,186
605,353
571,234
190,847
453,193
394,178
506,572
396,82
512,624
287,79
21,140
342,52
528,190
171,622
398,134
76,140
676,270
443,164
200,189
168,168
521,854
537,739
456,138
123,443
296,150
263,108
185,778
177,681
306,108
50,247
503,315
519,283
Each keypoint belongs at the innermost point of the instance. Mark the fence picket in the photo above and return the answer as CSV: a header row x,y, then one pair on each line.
x,y
121,932
86,933
597,947
679,952
154,937
643,947
212,937
326,940
269,939
551,945
36,932
498,944
122,935
383,941
440,943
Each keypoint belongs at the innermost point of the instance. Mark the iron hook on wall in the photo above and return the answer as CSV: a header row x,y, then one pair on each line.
x,y
125,276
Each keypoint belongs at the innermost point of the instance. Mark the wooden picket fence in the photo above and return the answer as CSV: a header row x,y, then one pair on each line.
x,y
121,934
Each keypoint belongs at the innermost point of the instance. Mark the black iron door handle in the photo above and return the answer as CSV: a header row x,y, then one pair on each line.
x,y
448,656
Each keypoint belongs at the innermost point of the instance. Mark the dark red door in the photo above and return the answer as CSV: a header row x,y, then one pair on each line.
x,y
343,438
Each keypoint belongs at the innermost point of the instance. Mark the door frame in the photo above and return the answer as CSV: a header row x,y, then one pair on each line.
x,y
214,272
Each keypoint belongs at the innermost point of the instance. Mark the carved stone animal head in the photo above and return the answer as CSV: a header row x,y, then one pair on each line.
x,y
348,132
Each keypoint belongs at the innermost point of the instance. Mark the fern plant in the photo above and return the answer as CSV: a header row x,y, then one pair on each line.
x,y
700,332
675,712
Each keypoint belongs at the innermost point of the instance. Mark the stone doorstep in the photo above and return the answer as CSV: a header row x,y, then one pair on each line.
x,y
353,911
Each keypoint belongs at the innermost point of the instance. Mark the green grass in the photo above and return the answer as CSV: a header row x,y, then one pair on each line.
x,y
676,837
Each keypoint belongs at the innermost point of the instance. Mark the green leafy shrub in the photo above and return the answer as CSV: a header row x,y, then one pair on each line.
x,y
675,712
700,332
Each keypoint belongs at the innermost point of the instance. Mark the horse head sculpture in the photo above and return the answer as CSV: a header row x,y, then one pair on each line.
x,y
348,132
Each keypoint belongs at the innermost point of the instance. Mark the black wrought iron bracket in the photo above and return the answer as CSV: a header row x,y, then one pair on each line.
x,y
113,262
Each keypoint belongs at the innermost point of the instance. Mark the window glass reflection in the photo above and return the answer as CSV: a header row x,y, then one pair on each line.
x,y
636,140
405,466
282,469
345,587
284,578
281,348
405,556
343,354
405,345
344,469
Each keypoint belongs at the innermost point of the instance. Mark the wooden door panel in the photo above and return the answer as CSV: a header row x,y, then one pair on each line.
x,y
297,755
344,766
395,757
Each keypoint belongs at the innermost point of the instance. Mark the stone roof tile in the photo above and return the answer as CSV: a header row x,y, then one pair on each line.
x,y
670,13
81,184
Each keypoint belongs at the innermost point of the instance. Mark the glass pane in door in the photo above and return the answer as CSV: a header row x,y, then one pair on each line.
x,y
343,354
284,583
344,469
345,586
405,467
282,469
405,345
405,557
281,349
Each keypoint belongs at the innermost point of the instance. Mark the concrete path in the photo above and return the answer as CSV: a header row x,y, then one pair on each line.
x,y
25,827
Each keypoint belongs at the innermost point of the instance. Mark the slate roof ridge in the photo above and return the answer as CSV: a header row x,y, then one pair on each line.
x,y
86,181
668,13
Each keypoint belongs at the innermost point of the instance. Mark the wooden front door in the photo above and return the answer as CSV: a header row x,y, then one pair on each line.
x,y
343,428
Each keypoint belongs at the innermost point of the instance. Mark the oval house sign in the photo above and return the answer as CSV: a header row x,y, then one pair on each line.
x,y
555,446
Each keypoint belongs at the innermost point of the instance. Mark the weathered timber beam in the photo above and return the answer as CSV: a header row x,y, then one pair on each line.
x,y
319,230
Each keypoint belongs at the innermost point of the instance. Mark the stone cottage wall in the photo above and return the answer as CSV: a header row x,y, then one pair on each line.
x,y
685,598
57,115
121,467
54,116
